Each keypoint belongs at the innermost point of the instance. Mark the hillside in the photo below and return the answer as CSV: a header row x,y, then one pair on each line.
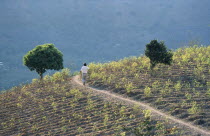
x,y
182,89
57,106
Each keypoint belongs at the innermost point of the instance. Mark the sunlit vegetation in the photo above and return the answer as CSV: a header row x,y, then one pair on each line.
x,y
56,106
182,89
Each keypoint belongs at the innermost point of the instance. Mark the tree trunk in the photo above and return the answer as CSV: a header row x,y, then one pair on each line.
x,y
152,65
41,76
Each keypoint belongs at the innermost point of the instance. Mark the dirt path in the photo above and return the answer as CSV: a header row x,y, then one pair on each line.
x,y
156,113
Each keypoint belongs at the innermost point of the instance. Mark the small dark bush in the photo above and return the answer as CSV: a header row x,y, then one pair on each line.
x,y
158,53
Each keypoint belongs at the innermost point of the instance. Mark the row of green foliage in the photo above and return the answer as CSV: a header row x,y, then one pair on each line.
x,y
53,106
184,86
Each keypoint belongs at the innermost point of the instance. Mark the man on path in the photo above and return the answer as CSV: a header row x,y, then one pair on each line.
x,y
84,71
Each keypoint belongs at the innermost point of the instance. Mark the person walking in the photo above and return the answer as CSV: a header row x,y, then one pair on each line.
x,y
84,71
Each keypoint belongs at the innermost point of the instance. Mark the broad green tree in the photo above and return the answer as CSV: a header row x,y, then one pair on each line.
x,y
158,53
42,58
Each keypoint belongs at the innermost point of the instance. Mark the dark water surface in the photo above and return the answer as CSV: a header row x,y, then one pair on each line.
x,y
94,30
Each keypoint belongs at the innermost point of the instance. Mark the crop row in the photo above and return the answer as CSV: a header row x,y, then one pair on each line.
x,y
55,106
182,89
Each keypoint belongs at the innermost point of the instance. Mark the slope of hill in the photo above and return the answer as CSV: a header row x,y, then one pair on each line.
x,y
56,106
157,114
182,89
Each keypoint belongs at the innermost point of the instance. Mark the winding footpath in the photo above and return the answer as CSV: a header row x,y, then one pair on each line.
x,y
156,113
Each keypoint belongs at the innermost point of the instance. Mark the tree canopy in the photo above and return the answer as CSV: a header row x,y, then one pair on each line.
x,y
158,53
44,57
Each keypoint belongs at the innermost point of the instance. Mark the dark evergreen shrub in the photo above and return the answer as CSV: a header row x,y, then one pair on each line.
x,y
158,53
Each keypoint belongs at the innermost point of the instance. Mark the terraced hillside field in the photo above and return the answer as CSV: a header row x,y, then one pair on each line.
x,y
56,106
181,90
